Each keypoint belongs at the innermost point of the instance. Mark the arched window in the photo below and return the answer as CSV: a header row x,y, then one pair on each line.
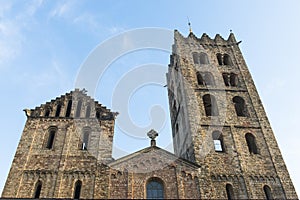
x,y
229,191
233,80
51,136
200,79
227,59
78,110
203,58
219,57
240,107
155,189
210,105
69,107
47,112
268,193
208,78
38,189
226,79
58,108
77,189
196,58
85,138
88,111
218,141
250,139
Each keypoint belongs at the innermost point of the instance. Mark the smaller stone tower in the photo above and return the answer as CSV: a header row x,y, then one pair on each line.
x,y
64,141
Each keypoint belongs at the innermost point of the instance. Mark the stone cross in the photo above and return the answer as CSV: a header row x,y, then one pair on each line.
x,y
152,134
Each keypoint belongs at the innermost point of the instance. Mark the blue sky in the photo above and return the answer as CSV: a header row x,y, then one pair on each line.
x,y
44,43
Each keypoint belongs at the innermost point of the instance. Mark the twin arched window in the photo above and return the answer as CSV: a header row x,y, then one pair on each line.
x,y
224,59
230,79
200,58
155,189
210,105
205,78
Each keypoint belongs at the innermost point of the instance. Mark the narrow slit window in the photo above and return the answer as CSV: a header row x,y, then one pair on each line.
x,y
268,193
88,111
58,109
229,191
69,107
38,189
78,110
251,143
85,140
77,189
47,112
51,137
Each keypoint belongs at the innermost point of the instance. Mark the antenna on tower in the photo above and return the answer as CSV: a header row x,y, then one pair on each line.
x,y
190,26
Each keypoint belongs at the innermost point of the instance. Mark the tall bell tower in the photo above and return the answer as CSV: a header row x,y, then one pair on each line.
x,y
218,121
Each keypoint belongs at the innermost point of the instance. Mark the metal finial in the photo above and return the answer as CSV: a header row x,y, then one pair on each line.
x,y
190,26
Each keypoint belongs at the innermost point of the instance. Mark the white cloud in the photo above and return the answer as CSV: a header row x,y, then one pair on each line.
x,y
63,9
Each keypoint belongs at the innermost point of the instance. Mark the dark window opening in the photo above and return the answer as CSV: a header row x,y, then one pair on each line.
x,y
69,107
208,78
233,80
229,191
88,111
177,128
78,110
227,59
58,108
218,141
50,139
98,114
240,107
47,113
219,57
77,189
210,105
38,190
268,193
200,79
155,189
196,58
85,141
203,58
250,139
226,78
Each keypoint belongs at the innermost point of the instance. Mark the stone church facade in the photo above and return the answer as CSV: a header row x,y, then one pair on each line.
x,y
224,147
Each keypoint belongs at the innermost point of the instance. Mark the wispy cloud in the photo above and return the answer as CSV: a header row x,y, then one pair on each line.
x,y
63,9
12,26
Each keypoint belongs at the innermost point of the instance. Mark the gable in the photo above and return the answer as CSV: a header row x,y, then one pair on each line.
x,y
152,159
